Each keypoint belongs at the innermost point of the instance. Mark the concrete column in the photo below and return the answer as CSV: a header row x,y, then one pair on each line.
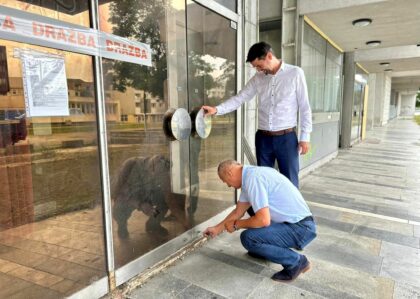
x,y
348,92
408,104
382,99
398,104
386,99
371,102
379,94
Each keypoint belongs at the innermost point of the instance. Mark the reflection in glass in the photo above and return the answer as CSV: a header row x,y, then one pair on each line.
x,y
201,123
177,124
155,180
333,79
211,80
231,4
149,172
356,120
72,11
313,64
51,230
144,184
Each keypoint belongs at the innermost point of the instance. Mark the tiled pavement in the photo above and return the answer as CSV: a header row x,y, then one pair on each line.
x,y
367,206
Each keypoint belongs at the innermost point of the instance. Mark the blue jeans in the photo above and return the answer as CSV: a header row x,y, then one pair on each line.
x,y
274,242
284,149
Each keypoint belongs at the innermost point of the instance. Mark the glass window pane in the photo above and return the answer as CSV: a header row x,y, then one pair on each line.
x,y
231,4
50,196
333,79
149,173
357,108
358,99
76,11
313,64
211,80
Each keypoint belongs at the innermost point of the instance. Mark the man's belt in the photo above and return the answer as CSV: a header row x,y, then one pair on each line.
x,y
308,218
277,133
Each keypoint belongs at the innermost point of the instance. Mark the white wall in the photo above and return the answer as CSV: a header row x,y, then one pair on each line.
x,y
269,9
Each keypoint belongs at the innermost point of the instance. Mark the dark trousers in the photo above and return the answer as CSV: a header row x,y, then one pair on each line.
x,y
275,242
284,149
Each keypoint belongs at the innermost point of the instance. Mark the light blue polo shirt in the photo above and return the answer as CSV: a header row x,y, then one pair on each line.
x,y
266,187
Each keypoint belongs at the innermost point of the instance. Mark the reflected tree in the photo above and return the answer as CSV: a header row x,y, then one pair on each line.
x,y
140,21
144,21
201,79
228,77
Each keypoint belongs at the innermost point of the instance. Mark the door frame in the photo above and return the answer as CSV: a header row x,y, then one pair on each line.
x,y
168,250
123,274
237,18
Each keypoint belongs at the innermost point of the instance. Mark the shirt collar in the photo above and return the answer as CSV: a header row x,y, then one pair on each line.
x,y
282,67
244,174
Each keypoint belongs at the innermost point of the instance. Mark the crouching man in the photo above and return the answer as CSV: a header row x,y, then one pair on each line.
x,y
282,220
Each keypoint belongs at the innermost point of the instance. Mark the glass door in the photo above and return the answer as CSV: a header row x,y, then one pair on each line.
x,y
161,154
357,110
211,48
163,172
149,172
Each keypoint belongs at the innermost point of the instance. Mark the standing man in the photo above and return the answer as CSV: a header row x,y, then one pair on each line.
x,y
282,93
282,219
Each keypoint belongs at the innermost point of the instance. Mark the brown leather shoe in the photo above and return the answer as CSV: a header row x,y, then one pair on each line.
x,y
288,275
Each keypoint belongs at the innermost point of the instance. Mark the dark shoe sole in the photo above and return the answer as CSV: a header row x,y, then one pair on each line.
x,y
304,270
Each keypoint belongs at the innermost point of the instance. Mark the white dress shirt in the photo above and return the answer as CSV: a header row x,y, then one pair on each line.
x,y
280,97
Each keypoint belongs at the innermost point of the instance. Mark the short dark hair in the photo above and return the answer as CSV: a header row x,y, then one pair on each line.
x,y
258,50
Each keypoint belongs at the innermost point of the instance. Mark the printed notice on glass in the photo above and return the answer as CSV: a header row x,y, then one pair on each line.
x,y
45,84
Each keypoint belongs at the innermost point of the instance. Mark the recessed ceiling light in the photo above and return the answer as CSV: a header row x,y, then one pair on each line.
x,y
385,63
361,22
388,70
373,43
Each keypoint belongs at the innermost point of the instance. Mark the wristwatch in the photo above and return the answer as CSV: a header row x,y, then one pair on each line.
x,y
234,225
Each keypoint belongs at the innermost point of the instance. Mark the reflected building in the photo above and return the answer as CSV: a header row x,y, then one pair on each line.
x,y
93,198
55,169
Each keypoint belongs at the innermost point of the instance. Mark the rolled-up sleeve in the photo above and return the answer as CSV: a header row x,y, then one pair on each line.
x,y
305,113
233,103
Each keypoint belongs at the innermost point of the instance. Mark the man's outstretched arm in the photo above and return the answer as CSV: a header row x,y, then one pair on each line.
x,y
237,213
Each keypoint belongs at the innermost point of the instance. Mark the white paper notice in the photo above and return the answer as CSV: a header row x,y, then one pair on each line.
x,y
45,84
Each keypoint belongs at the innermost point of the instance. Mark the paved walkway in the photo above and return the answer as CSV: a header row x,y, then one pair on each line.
x,y
367,206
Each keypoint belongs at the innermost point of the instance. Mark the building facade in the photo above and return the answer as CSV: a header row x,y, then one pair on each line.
x,y
103,167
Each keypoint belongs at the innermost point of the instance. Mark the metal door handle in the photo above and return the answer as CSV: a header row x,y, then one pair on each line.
x,y
201,124
177,124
